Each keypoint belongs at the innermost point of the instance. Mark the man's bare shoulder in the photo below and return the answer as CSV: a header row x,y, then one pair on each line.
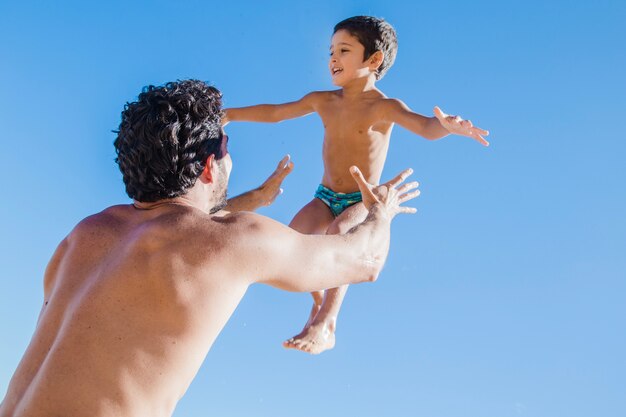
x,y
251,231
98,221
168,223
201,229
92,230
176,226
247,222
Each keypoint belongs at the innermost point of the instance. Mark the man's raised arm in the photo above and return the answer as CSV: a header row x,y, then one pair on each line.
x,y
292,261
266,193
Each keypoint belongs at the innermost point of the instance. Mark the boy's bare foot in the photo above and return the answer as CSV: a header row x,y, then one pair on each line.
x,y
314,338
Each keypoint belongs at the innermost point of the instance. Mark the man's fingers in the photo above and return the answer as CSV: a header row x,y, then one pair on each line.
x,y
285,163
399,178
408,210
285,166
358,176
408,187
364,186
360,179
408,196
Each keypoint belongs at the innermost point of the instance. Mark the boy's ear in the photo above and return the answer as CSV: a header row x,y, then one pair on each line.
x,y
376,59
206,176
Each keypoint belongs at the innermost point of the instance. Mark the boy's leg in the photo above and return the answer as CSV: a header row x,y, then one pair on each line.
x,y
313,219
318,334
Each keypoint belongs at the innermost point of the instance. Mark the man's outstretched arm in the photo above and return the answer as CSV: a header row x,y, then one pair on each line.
x,y
266,193
284,258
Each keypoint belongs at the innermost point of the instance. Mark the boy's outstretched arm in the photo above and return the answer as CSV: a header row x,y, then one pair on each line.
x,y
272,113
432,128
458,126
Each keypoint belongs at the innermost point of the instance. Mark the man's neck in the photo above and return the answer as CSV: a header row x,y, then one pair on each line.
x,y
160,203
195,197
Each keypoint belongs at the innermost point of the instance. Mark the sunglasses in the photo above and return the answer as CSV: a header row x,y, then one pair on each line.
x,y
219,146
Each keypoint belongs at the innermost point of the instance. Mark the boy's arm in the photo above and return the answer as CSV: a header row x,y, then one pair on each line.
x,y
292,261
272,113
432,128
266,193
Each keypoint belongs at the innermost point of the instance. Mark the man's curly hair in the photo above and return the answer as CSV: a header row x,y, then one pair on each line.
x,y
166,136
375,35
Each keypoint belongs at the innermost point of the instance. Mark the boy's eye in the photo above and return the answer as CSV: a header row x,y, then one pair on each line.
x,y
345,50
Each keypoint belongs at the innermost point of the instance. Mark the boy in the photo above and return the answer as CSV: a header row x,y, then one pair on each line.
x,y
358,119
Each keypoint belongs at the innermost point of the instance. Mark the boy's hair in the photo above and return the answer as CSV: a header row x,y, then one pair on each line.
x,y
375,35
166,136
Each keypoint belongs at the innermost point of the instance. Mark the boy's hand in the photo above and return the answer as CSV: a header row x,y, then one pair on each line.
x,y
270,189
390,194
457,126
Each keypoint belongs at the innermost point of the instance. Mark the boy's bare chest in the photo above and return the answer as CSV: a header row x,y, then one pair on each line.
x,y
342,119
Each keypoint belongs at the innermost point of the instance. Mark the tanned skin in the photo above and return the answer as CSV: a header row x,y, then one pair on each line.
x,y
135,296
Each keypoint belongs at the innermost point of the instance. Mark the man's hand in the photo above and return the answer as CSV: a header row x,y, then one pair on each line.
x,y
390,194
265,194
270,189
457,126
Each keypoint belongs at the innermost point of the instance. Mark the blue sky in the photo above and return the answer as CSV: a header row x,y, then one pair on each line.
x,y
504,294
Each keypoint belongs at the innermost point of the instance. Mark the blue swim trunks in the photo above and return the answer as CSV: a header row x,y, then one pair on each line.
x,y
337,202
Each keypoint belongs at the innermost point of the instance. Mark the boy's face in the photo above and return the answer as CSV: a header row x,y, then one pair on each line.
x,y
346,59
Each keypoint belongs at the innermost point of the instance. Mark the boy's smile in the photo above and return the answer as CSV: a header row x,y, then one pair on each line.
x,y
346,59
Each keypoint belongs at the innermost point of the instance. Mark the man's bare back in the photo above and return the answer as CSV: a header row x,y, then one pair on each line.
x,y
132,303
135,296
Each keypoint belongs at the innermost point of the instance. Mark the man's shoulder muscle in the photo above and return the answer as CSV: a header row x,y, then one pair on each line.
x,y
252,234
86,230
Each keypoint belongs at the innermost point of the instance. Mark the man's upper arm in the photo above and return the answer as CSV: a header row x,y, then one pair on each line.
x,y
52,268
279,256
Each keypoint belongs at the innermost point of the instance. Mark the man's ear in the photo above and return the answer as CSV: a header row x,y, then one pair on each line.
x,y
207,173
376,59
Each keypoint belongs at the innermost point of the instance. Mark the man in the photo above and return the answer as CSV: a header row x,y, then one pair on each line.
x,y
135,295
